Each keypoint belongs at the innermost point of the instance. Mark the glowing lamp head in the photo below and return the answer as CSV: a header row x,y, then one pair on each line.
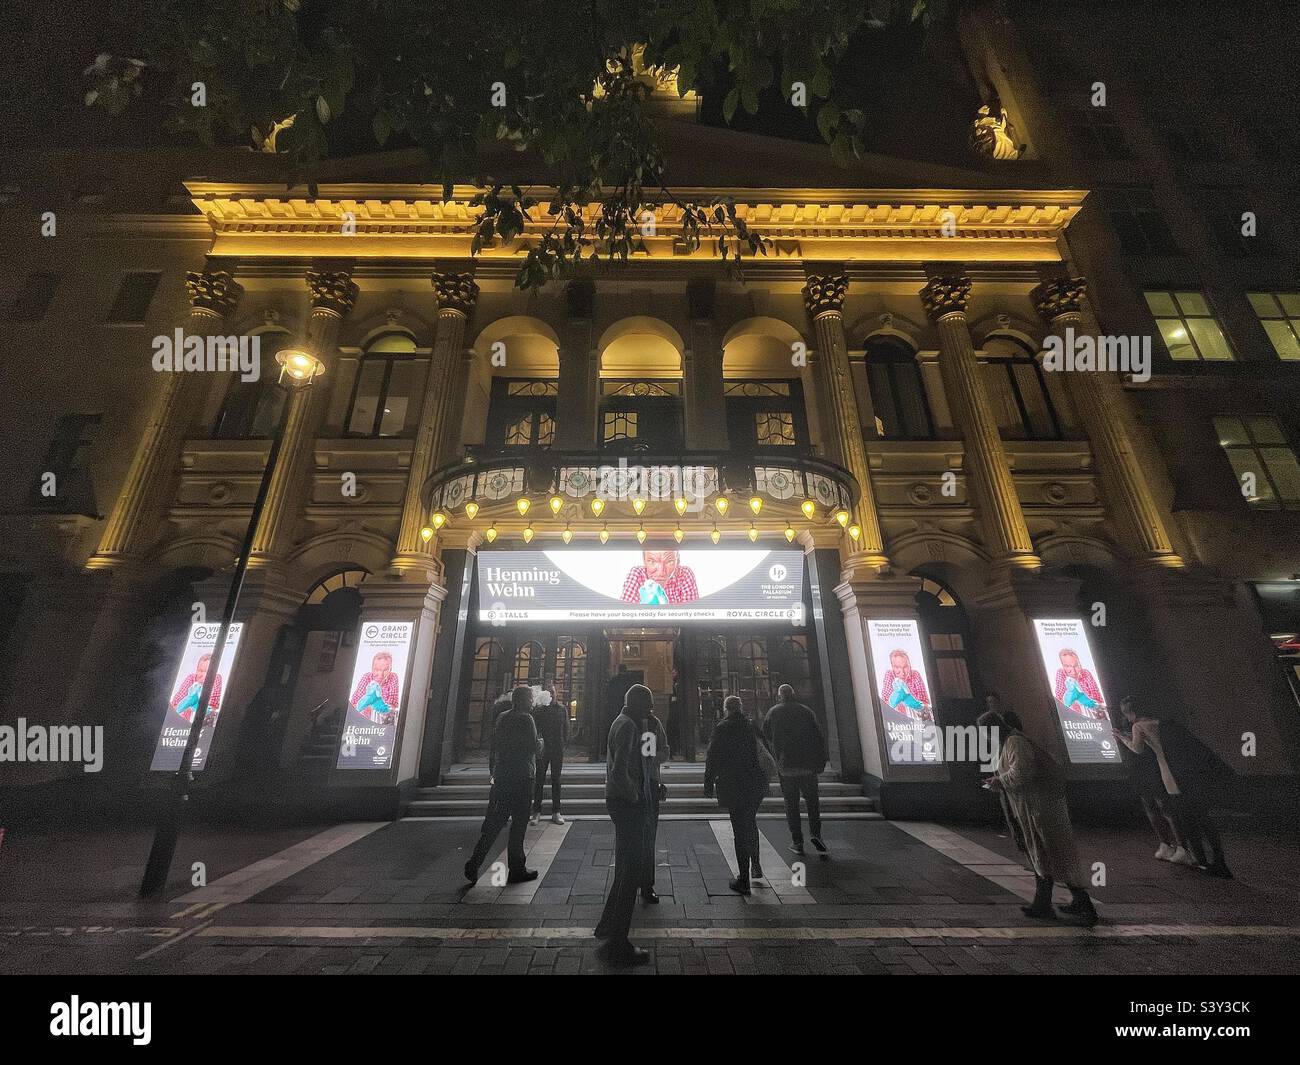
x,y
567,535
640,535
471,510
598,506
680,504
439,519
426,534
789,533
678,534
639,506
528,533
604,534
752,534
755,504
722,503
555,503
855,531
299,365
715,536
490,534
808,507
842,516
522,504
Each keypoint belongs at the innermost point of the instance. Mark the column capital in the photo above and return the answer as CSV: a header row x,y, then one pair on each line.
x,y
1059,296
212,293
332,291
824,294
947,295
455,292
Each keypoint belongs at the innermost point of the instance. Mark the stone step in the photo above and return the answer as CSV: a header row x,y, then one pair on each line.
x,y
832,805
596,790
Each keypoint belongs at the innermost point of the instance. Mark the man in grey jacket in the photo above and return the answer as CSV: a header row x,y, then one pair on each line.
x,y
799,746
512,761
628,786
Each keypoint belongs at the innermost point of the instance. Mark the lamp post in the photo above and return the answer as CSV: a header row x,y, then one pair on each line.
x,y
298,369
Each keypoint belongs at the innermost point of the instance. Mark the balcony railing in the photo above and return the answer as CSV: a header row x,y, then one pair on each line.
x,y
696,476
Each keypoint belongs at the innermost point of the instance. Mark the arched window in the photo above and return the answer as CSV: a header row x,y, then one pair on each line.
x,y
897,391
766,415
484,687
944,623
522,412
1016,390
385,394
251,410
530,663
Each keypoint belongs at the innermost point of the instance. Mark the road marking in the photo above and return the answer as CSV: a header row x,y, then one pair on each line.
x,y
540,847
778,876
173,941
1130,931
996,868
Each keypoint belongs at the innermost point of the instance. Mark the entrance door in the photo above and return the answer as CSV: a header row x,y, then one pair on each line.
x,y
649,657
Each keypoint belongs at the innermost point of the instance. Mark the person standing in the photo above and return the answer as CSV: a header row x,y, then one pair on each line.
x,y
553,725
628,784
1035,787
1152,777
658,793
512,761
796,739
732,766
615,694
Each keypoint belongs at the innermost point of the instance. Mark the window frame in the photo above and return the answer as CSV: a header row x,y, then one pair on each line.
x,y
1023,357
1183,318
389,358
1259,466
893,356
1292,322
505,410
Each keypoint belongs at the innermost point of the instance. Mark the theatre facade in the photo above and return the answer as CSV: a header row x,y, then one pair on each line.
x,y
848,470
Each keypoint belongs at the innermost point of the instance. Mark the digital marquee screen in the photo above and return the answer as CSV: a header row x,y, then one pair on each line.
x,y
654,585
375,695
1071,673
185,692
906,705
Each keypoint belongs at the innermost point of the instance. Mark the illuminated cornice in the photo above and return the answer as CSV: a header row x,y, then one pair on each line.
x,y
867,225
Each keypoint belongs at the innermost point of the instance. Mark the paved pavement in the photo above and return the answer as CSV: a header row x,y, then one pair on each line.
x,y
899,898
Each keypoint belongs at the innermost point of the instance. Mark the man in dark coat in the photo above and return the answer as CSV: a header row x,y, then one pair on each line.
x,y
628,784
799,746
553,724
733,767
512,761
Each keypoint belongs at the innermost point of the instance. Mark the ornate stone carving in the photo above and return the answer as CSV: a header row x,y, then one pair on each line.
x,y
1062,295
213,292
455,292
993,135
331,290
824,293
946,295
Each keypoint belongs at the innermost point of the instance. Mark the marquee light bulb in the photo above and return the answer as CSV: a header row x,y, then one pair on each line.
x,y
752,534
426,534
640,534
598,506
678,534
528,533
555,504
567,535
522,504
808,507
755,504
715,536
604,534
722,503
639,506
855,531
680,504
491,533
471,510
789,533
842,516
439,520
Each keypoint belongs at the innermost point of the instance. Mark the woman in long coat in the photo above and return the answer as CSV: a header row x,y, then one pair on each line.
x,y
1035,786
733,766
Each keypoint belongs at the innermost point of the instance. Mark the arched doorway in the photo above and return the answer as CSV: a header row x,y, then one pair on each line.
x,y
957,694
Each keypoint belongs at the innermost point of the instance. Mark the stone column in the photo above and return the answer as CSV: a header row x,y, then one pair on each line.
x,y
705,401
457,294
575,407
824,297
1107,415
144,496
442,405
945,299
332,296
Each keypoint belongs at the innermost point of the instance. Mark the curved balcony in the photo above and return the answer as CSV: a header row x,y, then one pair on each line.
x,y
496,480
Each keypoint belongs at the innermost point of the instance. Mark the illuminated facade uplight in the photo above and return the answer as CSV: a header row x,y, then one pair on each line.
x,y
439,519
491,533
640,534
680,504
715,536
604,534
426,534
471,510
522,504
809,508
752,534
567,535
722,503
855,531
639,506
842,516
678,534
556,503
598,506
789,533
755,504
528,533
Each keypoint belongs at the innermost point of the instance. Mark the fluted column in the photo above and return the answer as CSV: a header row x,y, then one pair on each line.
x,y
126,535
575,405
945,299
705,406
435,441
1104,408
332,296
824,298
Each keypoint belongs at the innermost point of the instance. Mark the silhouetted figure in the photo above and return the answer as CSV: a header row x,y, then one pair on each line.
x,y
1141,735
512,761
732,766
797,742
553,725
658,792
1035,787
615,695
629,782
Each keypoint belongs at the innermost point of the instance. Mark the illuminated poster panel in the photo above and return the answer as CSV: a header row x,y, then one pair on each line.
x,y
906,707
653,585
375,695
1071,673
185,692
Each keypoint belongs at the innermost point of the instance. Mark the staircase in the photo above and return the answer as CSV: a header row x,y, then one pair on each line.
x,y
320,747
463,792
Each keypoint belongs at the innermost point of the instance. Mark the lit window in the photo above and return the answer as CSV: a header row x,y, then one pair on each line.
x,y
1279,314
774,428
1262,459
131,305
619,425
1188,326
387,380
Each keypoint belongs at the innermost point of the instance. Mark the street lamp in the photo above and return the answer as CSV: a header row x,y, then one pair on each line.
x,y
299,367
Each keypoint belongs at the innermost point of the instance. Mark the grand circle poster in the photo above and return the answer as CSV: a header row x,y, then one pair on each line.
x,y
375,695
186,689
